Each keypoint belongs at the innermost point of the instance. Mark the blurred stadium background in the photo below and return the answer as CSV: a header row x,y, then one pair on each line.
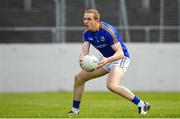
x,y
40,42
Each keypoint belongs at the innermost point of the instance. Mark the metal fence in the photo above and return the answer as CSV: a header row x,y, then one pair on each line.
x,y
58,31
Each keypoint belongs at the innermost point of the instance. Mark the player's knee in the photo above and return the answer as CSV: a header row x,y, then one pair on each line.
x,y
78,79
112,87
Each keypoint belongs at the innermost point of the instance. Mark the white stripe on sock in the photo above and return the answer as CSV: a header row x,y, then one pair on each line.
x,y
141,104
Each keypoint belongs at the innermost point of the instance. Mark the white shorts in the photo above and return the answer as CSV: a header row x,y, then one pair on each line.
x,y
123,63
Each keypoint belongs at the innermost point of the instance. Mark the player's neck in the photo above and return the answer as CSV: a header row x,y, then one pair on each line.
x,y
96,27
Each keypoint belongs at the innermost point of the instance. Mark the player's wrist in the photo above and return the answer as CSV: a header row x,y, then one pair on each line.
x,y
109,59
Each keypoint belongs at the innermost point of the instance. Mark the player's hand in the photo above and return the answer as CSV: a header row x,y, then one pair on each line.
x,y
81,61
102,62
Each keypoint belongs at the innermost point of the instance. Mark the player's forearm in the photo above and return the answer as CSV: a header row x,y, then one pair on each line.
x,y
82,55
118,55
85,49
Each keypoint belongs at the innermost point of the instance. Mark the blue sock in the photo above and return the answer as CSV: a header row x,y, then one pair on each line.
x,y
135,100
76,104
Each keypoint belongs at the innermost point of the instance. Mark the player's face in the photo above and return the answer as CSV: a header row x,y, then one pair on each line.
x,y
89,22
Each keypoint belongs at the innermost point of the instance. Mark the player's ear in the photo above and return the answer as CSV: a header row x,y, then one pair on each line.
x,y
97,20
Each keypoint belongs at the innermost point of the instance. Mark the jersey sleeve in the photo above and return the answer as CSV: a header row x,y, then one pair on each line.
x,y
113,37
85,36
111,34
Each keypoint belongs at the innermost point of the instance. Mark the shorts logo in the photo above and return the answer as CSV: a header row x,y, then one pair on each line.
x,y
115,62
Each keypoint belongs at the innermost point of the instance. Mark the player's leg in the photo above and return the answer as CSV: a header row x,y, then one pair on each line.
x,y
115,77
82,77
79,83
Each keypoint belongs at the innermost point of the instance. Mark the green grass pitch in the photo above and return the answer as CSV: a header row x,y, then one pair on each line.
x,y
93,105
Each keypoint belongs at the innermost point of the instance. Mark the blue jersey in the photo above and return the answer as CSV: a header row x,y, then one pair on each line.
x,y
104,38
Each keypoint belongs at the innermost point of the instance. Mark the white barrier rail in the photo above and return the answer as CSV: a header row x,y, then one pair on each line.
x,y
51,67
79,28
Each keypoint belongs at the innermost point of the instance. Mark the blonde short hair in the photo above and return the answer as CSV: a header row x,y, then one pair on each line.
x,y
95,12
